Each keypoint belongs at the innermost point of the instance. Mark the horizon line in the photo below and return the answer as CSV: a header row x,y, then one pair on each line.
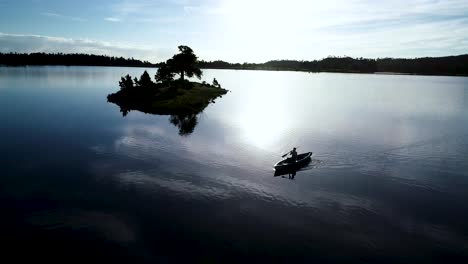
x,y
219,60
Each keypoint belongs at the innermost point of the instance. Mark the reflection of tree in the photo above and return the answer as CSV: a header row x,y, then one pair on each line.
x,y
124,110
186,123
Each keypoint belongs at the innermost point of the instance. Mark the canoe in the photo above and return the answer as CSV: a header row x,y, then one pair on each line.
x,y
288,164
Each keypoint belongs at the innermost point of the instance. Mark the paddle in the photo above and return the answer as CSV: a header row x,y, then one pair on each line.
x,y
287,153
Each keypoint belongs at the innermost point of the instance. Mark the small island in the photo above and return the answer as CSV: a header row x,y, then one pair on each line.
x,y
168,96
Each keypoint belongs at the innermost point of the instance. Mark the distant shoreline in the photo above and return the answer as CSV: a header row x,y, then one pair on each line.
x,y
344,72
436,66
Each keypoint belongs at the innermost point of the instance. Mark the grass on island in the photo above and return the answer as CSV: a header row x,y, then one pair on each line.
x,y
193,99
178,98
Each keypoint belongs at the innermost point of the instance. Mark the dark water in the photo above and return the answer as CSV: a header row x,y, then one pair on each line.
x,y
388,182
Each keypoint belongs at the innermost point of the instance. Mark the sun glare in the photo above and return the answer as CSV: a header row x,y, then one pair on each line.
x,y
264,119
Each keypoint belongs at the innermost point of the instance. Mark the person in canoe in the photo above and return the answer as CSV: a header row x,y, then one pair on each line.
x,y
293,153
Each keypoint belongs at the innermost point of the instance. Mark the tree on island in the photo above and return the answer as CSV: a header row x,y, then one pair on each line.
x,y
164,74
145,80
126,82
184,63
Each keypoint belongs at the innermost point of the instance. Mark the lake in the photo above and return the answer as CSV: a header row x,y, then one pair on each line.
x,y
387,182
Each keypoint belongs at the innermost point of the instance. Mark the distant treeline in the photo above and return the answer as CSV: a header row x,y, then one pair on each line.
x,y
452,65
19,59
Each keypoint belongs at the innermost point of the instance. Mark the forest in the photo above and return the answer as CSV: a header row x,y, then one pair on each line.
x,y
21,59
449,65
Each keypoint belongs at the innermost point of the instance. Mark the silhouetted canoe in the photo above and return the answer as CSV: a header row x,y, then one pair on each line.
x,y
287,164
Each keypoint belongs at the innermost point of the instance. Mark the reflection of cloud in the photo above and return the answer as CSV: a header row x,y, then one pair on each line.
x,y
183,171
201,168
157,158
39,43
107,225
177,185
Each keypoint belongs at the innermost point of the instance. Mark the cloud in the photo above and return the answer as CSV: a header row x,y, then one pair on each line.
x,y
56,15
160,11
113,19
138,8
304,29
203,10
38,43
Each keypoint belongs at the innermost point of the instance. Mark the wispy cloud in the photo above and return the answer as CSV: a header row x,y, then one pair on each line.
x,y
56,15
153,11
38,43
137,7
113,19
203,10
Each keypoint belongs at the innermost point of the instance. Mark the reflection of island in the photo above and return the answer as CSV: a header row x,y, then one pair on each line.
x,y
181,99
185,123
183,105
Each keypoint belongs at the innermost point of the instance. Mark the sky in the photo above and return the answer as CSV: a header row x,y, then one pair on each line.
x,y
237,30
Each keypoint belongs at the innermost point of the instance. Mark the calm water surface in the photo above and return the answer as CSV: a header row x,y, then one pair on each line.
x,y
387,183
